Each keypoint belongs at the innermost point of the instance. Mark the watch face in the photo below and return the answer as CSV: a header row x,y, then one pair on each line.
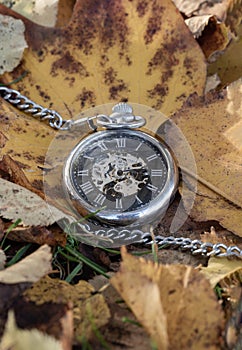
x,y
129,174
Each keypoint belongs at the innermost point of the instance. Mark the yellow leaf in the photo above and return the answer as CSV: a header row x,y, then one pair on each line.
x,y
212,127
218,269
110,52
184,318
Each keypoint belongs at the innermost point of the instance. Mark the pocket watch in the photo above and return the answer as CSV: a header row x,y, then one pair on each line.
x,y
120,180
130,174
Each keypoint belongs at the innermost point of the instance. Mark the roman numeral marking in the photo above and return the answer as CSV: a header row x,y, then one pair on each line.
x,y
156,172
152,188
121,142
83,172
152,157
100,199
102,145
139,145
138,200
87,187
119,204
88,157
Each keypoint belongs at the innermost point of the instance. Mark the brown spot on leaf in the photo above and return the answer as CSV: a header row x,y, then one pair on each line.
x,y
116,90
42,93
154,22
104,20
104,60
158,93
69,65
71,81
4,119
109,76
161,57
142,7
86,98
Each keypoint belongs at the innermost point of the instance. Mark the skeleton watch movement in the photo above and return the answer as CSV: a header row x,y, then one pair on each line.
x,y
124,176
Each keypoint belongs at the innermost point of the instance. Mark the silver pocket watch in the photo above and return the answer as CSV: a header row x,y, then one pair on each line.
x,y
131,175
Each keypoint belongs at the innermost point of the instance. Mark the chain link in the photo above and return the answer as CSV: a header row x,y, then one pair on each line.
x,y
26,105
196,247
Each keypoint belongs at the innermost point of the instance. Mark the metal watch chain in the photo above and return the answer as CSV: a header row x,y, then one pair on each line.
x,y
54,119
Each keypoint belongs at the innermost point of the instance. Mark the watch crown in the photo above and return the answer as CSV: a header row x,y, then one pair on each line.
x,y
122,108
122,117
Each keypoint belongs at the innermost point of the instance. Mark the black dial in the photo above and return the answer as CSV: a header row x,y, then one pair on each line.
x,y
122,171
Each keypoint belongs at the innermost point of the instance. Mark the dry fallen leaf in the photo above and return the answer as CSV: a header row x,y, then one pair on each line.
x,y
189,319
201,7
15,338
228,65
197,24
213,36
214,237
18,202
43,12
212,126
12,43
144,300
218,269
40,235
89,310
30,269
103,63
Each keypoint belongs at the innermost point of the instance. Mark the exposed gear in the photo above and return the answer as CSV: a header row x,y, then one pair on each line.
x,y
124,174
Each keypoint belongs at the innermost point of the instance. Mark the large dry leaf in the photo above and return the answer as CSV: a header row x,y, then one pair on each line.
x,y
213,128
218,269
19,203
189,320
18,339
138,51
30,269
